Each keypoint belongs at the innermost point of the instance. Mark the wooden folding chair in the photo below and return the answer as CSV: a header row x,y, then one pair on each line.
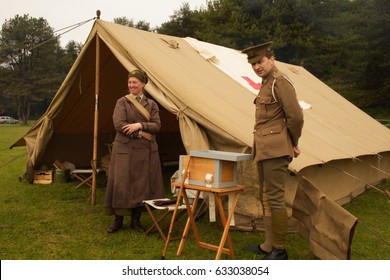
x,y
166,206
85,175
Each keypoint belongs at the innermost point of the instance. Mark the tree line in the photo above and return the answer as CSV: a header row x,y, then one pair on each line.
x,y
343,42
32,66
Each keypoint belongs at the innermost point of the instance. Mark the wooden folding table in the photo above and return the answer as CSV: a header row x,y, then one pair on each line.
x,y
233,191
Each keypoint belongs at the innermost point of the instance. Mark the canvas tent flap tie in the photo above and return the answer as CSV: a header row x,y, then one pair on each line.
x,y
180,113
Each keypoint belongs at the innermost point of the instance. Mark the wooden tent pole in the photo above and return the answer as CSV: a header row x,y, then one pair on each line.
x,y
96,122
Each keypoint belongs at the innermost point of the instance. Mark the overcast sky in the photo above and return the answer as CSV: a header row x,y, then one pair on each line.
x,y
64,13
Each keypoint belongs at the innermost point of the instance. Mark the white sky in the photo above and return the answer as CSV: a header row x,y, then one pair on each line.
x,y
64,13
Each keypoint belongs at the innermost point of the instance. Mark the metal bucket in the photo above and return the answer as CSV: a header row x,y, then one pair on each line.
x,y
61,176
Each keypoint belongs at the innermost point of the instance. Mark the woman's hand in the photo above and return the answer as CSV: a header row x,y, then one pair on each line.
x,y
131,128
148,136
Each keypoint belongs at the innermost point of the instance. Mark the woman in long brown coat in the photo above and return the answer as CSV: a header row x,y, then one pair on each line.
x,y
135,170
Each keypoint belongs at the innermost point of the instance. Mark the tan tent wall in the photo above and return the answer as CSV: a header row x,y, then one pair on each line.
x,y
342,180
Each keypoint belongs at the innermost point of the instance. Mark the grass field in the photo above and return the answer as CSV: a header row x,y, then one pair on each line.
x,y
57,222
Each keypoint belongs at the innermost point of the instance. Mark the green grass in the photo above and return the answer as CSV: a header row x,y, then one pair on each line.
x,y
57,222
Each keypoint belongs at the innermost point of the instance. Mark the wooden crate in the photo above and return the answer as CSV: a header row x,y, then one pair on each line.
x,y
43,177
220,166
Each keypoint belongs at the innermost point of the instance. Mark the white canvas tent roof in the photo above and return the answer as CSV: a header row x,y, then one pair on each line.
x,y
203,91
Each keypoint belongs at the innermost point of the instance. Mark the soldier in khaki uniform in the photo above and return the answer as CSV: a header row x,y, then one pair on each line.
x,y
278,126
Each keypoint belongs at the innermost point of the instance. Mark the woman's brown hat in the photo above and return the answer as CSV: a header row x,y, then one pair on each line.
x,y
140,75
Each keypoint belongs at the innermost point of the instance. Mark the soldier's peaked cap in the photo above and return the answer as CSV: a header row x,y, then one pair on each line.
x,y
256,53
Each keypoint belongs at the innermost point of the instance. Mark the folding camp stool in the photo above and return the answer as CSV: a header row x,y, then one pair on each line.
x,y
84,176
159,204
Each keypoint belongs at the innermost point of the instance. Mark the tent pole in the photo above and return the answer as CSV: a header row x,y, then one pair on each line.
x,y
96,122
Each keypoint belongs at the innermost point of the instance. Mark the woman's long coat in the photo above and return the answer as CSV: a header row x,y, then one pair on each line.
x,y
135,171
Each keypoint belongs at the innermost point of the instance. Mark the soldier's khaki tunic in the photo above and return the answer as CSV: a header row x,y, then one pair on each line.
x,y
278,123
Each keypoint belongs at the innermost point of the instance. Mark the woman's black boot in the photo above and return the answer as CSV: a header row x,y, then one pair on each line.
x,y
116,225
136,219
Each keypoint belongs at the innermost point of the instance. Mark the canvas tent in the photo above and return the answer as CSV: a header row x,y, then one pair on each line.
x,y
206,95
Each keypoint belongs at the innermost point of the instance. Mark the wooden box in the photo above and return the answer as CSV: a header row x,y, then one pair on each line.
x,y
216,169
43,177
